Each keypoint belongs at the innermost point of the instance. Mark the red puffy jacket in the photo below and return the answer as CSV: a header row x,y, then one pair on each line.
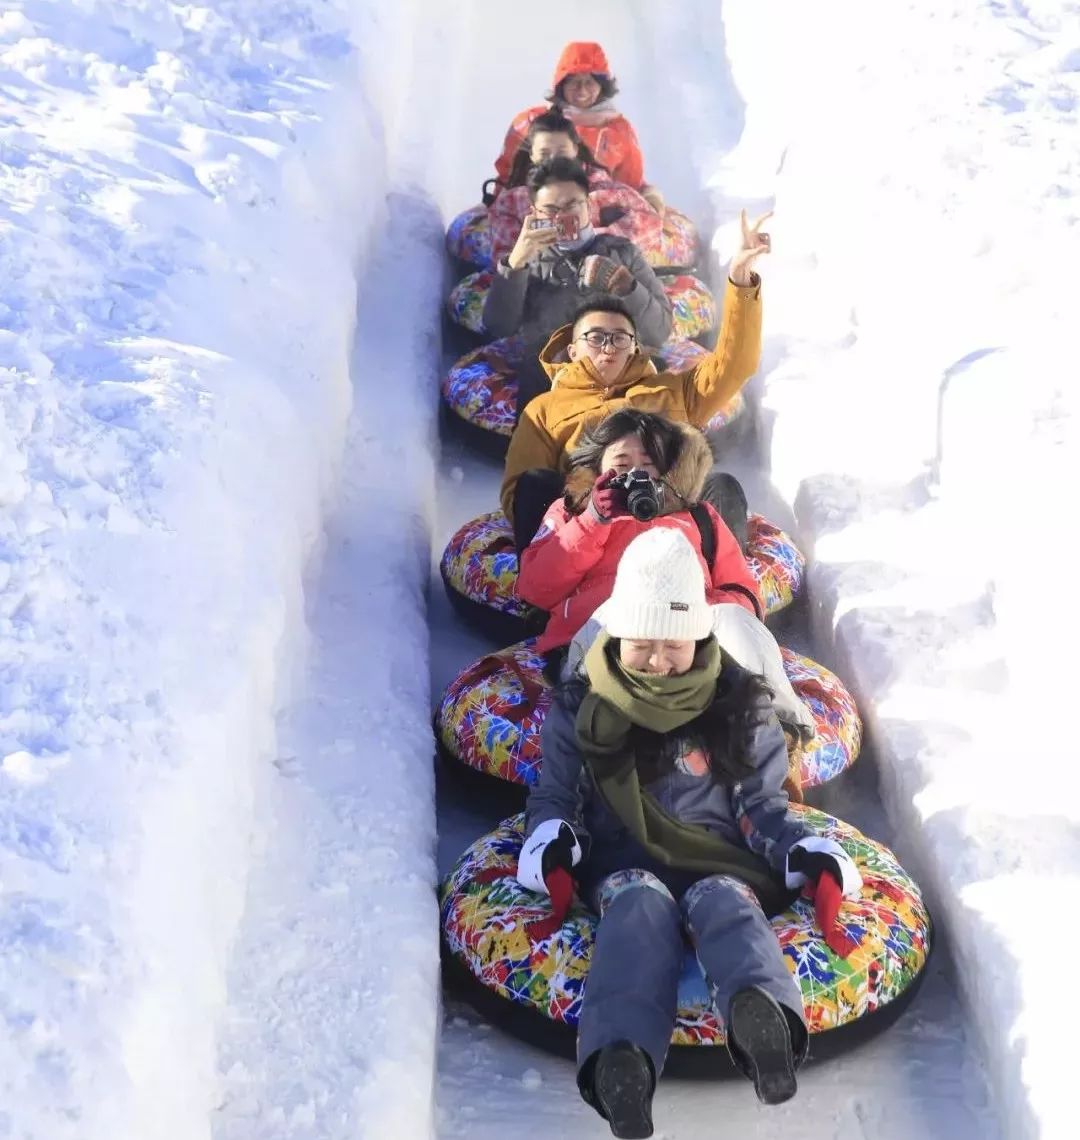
x,y
569,567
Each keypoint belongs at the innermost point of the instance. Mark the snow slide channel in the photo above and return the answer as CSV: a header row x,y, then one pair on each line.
x,y
332,1031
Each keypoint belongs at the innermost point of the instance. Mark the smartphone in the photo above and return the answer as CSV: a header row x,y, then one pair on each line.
x,y
565,226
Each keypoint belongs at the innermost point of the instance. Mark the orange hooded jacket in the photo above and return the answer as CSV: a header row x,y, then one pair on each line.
x,y
552,422
608,135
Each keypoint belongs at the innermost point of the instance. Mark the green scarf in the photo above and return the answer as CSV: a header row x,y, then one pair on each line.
x,y
619,698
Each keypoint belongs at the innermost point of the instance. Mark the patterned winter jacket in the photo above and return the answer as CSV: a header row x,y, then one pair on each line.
x,y
539,297
569,567
753,811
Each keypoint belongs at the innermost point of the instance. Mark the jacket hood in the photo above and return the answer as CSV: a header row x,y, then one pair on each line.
x,y
683,483
580,56
580,374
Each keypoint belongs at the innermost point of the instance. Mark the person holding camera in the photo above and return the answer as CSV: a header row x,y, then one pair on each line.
x,y
630,473
596,366
558,260
662,793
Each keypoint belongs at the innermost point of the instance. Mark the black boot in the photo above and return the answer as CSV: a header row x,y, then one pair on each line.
x,y
726,494
618,1081
759,1041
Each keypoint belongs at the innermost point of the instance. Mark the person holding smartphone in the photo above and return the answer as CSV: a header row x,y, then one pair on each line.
x,y
557,261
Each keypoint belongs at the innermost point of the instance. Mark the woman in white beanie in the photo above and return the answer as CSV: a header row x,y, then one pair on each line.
x,y
680,825
569,567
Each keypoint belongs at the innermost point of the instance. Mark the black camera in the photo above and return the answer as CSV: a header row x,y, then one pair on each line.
x,y
643,495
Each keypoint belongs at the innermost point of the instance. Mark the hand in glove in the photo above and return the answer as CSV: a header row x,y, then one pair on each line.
x,y
552,847
814,856
829,874
606,501
607,276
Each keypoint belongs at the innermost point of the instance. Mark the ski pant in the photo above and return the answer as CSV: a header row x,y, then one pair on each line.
x,y
535,491
725,493
638,957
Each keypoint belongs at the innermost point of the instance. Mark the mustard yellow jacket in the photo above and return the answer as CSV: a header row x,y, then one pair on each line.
x,y
552,423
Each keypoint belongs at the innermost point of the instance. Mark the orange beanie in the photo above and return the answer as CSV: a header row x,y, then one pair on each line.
x,y
578,57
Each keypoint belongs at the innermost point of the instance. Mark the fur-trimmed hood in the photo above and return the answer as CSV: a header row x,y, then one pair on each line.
x,y
683,483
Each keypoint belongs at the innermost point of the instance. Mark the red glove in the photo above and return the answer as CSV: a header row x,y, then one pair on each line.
x,y
606,501
607,276
555,864
824,886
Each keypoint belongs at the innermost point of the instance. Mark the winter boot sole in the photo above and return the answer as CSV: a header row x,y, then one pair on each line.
x,y
623,1086
760,1031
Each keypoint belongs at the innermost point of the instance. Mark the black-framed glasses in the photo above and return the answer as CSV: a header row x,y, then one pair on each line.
x,y
563,208
600,338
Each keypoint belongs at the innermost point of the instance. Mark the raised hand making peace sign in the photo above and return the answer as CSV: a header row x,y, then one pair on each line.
x,y
754,244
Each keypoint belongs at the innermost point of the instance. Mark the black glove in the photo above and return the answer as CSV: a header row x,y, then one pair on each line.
x,y
559,852
609,215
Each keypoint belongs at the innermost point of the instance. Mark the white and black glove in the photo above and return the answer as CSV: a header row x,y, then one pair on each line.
x,y
808,858
552,844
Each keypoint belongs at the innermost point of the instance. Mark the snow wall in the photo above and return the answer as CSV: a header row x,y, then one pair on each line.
x,y
189,199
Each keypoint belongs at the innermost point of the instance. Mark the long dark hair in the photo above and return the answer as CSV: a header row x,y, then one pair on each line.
x,y
727,728
608,90
661,439
550,122
556,170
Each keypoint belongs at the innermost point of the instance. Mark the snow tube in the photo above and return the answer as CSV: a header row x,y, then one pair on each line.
x,y
484,911
693,310
491,715
665,241
479,570
468,237
481,388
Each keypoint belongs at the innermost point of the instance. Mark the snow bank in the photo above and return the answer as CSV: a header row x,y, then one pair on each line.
x,y
185,192
920,414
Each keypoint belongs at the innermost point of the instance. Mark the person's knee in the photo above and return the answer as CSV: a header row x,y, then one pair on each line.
x,y
726,494
720,892
636,890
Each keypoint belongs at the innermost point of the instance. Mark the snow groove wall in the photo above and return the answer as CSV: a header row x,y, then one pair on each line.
x,y
921,418
185,195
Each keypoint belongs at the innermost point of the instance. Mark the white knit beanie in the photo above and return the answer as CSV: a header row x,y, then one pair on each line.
x,y
659,590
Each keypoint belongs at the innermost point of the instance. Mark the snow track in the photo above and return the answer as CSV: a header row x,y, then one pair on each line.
x,y
217,918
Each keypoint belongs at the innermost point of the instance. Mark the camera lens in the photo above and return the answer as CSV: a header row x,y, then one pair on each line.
x,y
642,503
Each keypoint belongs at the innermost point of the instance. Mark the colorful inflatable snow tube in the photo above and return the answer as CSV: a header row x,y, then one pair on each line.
x,y
665,241
468,237
484,912
693,310
491,714
479,569
481,388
